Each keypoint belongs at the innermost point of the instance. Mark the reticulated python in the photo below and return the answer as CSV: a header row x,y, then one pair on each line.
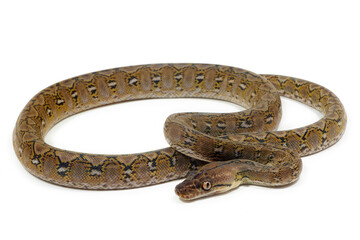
x,y
216,152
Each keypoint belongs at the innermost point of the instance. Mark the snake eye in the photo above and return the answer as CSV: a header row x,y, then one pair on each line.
x,y
206,186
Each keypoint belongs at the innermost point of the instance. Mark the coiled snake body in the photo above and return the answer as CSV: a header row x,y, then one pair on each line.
x,y
216,152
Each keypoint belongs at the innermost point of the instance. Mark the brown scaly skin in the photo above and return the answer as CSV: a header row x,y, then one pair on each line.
x,y
284,147
257,154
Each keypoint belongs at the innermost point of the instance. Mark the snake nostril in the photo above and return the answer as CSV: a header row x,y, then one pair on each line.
x,y
178,191
181,192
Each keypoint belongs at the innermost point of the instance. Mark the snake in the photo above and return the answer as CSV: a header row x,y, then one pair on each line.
x,y
214,152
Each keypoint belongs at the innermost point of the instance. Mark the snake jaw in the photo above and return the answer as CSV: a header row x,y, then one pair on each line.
x,y
194,189
213,178
201,183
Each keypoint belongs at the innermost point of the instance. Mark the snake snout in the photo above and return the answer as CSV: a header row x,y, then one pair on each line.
x,y
180,192
186,190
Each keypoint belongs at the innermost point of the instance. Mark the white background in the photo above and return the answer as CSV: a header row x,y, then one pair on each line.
x,y
43,42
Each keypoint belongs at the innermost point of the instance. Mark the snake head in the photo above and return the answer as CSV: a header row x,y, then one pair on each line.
x,y
211,179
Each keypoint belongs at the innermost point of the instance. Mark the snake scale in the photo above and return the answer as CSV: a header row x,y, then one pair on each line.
x,y
216,152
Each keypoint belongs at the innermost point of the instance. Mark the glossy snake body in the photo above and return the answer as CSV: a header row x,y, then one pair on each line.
x,y
244,145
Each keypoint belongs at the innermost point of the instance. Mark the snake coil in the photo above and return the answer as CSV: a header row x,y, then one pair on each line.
x,y
216,152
